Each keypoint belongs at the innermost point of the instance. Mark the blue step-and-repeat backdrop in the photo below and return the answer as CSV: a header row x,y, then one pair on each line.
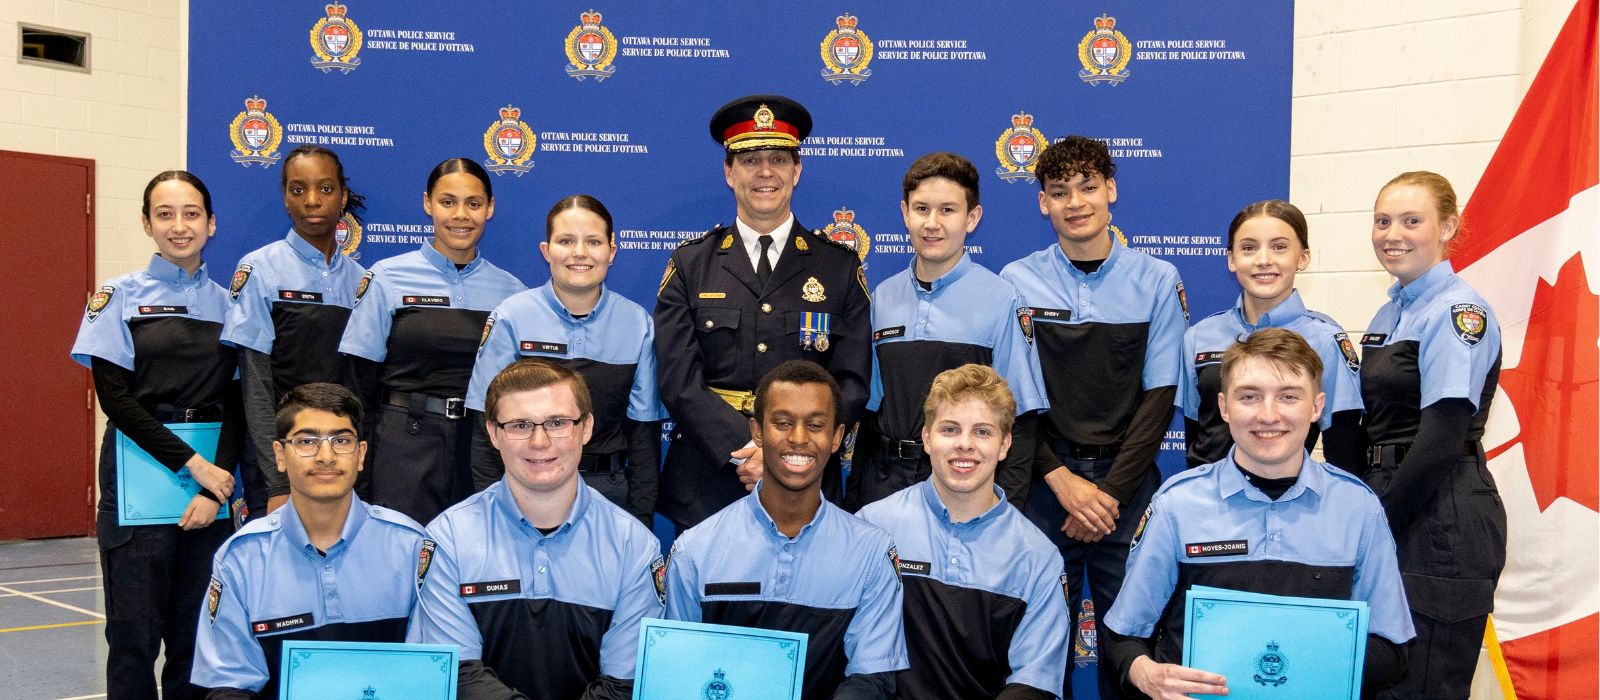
x,y
612,99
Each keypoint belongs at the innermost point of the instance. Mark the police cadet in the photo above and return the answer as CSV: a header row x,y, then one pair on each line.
x,y
411,347
540,580
325,566
984,604
941,313
150,338
741,299
291,299
1108,327
1265,519
1430,366
574,320
784,558
1267,244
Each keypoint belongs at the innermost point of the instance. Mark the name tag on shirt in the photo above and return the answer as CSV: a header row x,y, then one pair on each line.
x,y
1053,315
294,295
1374,338
1206,358
283,623
913,567
542,346
156,310
1221,548
734,588
476,590
414,300
895,332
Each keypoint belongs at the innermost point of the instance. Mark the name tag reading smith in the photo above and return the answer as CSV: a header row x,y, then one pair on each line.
x,y
475,590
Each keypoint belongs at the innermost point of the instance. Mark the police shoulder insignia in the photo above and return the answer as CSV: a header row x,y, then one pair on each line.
x,y
672,266
1138,532
1348,349
361,287
241,275
861,276
99,301
213,599
424,559
488,325
1025,321
1469,321
894,561
1064,590
658,576
1183,301
1271,665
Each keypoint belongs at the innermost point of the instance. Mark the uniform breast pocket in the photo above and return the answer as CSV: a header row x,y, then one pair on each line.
x,y
710,319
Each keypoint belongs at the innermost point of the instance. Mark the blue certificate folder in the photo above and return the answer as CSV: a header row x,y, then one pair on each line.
x,y
1280,647
367,670
697,660
148,493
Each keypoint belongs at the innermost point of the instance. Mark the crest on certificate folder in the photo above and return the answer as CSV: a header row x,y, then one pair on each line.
x,y
718,688
1271,665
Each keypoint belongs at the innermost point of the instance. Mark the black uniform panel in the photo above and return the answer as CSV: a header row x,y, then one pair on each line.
x,y
431,349
316,330
825,657
389,630
610,387
1270,577
950,662
565,637
1208,443
910,367
179,362
1391,390
1093,403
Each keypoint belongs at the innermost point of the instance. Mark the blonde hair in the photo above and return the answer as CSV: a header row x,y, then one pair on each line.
x,y
1443,195
972,381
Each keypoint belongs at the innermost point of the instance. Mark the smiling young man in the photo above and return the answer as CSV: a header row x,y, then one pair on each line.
x,y
742,299
281,576
943,311
1280,522
985,610
1108,327
784,558
539,579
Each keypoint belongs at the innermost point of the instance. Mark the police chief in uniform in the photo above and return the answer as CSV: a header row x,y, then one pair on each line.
x,y
1266,519
741,299
325,566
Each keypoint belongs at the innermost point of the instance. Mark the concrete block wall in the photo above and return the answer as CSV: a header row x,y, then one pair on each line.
x,y
126,113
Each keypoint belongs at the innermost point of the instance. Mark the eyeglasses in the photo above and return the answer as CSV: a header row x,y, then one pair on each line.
x,y
310,445
558,427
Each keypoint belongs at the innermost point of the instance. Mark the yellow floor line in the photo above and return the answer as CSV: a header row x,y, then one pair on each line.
x,y
29,628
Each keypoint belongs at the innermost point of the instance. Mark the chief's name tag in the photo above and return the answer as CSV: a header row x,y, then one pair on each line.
x,y
487,588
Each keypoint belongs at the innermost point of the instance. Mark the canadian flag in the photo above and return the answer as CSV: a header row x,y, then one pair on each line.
x,y
1532,231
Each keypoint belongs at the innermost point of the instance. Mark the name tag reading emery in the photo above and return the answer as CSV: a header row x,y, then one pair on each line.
x,y
1220,548
283,623
419,300
1056,315
476,590
296,295
542,346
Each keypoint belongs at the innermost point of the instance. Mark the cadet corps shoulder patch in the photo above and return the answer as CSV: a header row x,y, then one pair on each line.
x,y
488,325
241,275
424,560
99,301
1348,349
658,576
1025,321
894,561
1183,301
213,599
361,287
1469,321
1138,532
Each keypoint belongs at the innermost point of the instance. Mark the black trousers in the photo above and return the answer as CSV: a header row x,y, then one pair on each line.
x,y
1103,563
418,463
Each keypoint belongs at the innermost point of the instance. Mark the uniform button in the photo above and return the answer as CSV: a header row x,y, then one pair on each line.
x,y
709,324
766,308
541,569
761,347
327,568
953,560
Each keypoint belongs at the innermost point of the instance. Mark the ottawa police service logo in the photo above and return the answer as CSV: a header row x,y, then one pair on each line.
x,y
1085,642
1270,666
844,229
348,235
590,49
255,134
846,51
335,39
509,143
1104,53
718,688
1018,149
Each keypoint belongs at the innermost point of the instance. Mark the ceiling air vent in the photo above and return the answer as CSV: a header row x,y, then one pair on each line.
x,y
56,48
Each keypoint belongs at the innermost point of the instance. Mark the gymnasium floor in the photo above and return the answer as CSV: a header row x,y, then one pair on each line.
x,y
52,621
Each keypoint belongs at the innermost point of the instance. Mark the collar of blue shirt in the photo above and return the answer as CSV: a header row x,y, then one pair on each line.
x,y
547,292
507,506
162,271
759,512
930,495
1420,286
1279,316
309,253
445,265
1231,481
296,531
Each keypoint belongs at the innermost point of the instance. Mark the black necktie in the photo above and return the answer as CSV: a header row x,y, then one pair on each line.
x,y
764,264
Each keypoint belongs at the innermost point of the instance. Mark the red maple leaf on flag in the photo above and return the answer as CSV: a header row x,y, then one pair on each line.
x,y
1553,388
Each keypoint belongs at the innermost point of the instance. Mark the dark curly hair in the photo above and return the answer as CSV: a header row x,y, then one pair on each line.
x,y
1074,155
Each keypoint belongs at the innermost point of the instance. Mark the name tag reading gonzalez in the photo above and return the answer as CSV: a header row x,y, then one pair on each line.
x,y
694,660
1279,647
